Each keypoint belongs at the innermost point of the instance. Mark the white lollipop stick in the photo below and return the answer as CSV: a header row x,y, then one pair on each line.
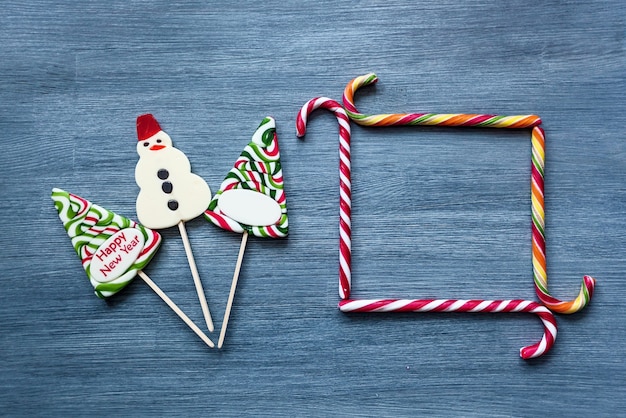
x,y
175,308
233,286
196,276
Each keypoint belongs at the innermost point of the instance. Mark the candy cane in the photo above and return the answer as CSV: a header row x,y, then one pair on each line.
x,y
345,196
456,305
540,275
537,172
429,119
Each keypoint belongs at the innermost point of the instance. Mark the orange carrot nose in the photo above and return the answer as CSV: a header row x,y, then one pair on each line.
x,y
156,147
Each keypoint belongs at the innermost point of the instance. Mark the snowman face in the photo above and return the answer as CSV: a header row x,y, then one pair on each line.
x,y
154,144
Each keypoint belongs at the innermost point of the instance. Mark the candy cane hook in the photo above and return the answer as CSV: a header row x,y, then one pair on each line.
x,y
456,305
345,195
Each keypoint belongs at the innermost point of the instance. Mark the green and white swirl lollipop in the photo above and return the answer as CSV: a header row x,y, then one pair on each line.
x,y
113,249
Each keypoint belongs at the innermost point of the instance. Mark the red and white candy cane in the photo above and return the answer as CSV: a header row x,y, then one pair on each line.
x,y
345,194
457,305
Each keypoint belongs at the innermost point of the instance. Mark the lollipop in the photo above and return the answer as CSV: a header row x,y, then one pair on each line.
x,y
113,249
540,275
251,199
170,193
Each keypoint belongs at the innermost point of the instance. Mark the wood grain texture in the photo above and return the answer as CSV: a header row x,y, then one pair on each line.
x,y
437,212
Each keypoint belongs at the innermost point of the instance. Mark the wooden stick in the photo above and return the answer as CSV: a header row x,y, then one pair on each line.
x,y
233,286
176,309
196,276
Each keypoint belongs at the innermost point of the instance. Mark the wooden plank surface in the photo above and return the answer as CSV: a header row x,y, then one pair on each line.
x,y
441,213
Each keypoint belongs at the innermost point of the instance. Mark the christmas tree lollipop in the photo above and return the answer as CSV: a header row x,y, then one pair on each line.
x,y
170,193
251,199
113,249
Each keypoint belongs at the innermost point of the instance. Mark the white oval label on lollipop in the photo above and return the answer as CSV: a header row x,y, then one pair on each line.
x,y
116,255
170,192
249,207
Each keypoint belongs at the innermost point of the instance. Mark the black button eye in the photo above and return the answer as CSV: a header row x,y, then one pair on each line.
x,y
172,204
167,187
163,174
145,144
158,141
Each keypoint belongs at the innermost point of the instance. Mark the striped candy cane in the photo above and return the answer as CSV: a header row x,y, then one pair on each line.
x,y
538,238
456,305
429,119
537,173
345,195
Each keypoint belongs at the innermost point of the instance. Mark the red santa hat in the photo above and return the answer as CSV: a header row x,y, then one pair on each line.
x,y
147,126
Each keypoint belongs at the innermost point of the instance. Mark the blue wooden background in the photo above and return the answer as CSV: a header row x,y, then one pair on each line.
x,y
438,212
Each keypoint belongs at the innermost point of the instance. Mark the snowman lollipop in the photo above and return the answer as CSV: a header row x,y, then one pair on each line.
x,y
170,193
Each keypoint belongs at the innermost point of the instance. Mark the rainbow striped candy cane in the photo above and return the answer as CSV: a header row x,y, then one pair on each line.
x,y
539,241
429,119
345,194
537,177
401,305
